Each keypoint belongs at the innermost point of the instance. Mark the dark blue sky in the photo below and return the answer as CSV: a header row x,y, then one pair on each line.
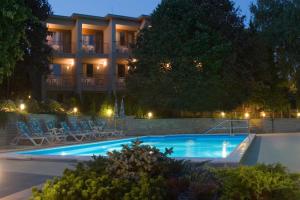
x,y
132,8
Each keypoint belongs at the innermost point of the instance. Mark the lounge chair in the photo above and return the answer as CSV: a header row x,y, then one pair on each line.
x,y
76,134
58,133
101,126
87,128
36,128
25,134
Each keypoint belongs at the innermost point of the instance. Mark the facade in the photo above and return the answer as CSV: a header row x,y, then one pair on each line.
x,y
90,53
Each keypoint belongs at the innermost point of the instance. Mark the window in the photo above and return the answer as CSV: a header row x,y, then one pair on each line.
x,y
121,70
55,69
89,70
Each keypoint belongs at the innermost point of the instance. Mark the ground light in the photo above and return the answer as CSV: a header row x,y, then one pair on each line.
x,y
75,110
150,115
109,112
223,114
247,115
22,106
298,114
263,114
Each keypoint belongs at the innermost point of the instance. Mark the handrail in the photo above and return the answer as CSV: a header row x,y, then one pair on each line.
x,y
231,127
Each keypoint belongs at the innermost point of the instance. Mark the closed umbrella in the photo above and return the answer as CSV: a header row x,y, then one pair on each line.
x,y
122,109
116,114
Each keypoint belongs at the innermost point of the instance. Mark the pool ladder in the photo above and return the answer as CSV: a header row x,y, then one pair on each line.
x,y
229,125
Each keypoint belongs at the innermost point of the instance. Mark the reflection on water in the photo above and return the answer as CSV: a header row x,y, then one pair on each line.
x,y
224,149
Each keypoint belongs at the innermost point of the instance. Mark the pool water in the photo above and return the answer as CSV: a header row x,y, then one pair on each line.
x,y
184,146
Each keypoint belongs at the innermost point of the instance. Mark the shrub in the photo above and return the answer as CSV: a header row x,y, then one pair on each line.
x,y
52,106
8,106
261,182
120,176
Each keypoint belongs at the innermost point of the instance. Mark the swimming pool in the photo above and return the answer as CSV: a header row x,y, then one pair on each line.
x,y
184,146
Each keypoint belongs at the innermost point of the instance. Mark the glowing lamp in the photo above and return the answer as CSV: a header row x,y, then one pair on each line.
x,y
109,112
223,114
298,114
247,115
150,115
75,110
263,114
22,106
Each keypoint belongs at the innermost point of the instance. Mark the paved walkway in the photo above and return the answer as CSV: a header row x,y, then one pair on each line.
x,y
275,148
17,177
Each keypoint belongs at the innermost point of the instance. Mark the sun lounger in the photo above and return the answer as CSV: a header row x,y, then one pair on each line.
x,y
76,134
25,134
58,133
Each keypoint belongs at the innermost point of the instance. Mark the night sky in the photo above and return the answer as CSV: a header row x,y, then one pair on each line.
x,y
132,8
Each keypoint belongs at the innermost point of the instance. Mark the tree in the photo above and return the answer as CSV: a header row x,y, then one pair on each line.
x,y
275,21
188,59
28,74
13,16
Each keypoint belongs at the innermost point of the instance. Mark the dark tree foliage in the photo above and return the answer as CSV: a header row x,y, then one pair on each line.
x,y
191,58
277,24
13,16
27,76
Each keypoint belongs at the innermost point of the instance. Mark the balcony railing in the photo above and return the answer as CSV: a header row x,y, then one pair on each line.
x,y
93,49
124,48
60,46
95,83
60,82
120,83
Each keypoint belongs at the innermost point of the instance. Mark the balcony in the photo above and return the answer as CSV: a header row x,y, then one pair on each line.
x,y
95,50
96,83
60,47
63,82
124,48
120,85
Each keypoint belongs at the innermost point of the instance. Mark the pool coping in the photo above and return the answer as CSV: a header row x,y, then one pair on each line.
x,y
233,158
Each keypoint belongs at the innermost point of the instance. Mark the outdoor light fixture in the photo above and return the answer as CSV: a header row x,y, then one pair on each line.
x,y
247,115
22,106
150,115
109,112
75,110
223,114
104,63
98,67
72,63
263,114
68,67
29,96
298,114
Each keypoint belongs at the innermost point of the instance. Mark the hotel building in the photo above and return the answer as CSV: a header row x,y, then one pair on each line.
x,y
90,54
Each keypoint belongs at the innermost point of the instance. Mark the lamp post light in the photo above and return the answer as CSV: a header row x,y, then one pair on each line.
x,y
150,115
75,110
223,114
247,115
22,107
263,114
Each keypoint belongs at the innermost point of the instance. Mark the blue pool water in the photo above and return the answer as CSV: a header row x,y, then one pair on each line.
x,y
188,146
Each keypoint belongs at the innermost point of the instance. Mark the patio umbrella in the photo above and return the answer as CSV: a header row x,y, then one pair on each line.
x,y
116,109
122,109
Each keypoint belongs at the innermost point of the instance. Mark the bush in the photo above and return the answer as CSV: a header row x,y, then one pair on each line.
x,y
8,106
142,172
52,106
261,182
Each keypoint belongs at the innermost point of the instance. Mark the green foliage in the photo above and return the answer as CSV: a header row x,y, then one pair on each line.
x,y
261,182
8,106
52,107
13,15
187,59
275,22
